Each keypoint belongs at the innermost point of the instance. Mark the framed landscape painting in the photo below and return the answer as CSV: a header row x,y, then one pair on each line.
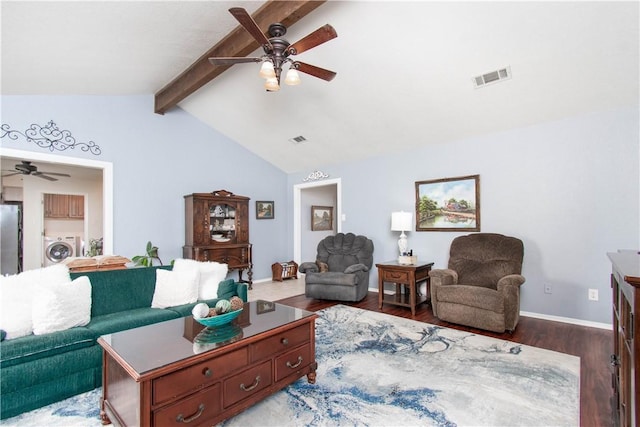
x,y
321,218
264,210
448,204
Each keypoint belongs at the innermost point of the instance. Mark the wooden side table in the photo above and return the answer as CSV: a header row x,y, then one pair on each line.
x,y
408,276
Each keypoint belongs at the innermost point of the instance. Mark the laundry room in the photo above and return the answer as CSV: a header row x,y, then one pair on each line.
x,y
57,216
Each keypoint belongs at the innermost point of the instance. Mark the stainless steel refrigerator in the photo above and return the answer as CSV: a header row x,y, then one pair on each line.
x,y
10,238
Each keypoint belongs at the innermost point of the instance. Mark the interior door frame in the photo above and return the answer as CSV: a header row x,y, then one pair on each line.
x,y
107,183
297,211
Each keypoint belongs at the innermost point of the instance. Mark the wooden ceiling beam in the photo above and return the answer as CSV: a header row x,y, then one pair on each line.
x,y
237,43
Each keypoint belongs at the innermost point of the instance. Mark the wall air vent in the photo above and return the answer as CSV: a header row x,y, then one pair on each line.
x,y
492,77
298,139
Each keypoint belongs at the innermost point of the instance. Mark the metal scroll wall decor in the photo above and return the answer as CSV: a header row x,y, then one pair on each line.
x,y
50,137
316,175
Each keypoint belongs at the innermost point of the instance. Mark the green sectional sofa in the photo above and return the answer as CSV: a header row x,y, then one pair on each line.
x,y
37,370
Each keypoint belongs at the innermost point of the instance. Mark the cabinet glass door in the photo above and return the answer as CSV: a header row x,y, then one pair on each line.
x,y
222,220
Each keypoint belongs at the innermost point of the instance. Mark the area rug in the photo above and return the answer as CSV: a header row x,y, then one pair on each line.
x,y
380,370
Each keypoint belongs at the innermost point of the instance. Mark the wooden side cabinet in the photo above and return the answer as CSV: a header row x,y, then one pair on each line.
x,y
217,229
625,360
284,270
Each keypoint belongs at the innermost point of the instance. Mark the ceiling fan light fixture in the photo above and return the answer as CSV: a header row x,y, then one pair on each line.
x,y
267,71
293,77
272,84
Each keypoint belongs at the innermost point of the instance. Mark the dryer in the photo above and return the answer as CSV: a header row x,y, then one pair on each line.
x,y
59,248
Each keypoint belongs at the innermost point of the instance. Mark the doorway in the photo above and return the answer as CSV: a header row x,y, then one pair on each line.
x,y
303,237
33,237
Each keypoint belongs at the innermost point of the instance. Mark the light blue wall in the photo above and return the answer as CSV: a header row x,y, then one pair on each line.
x,y
156,161
569,189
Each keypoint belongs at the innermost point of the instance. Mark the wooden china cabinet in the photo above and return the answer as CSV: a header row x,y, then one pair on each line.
x,y
217,229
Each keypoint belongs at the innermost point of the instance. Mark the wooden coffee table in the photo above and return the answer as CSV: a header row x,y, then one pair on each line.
x,y
178,371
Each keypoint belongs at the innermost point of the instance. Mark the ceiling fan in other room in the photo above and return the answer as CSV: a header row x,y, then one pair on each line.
x,y
26,168
277,51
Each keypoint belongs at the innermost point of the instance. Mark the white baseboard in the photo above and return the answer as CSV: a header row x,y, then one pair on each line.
x,y
569,320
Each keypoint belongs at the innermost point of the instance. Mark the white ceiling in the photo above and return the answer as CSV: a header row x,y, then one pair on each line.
x,y
404,68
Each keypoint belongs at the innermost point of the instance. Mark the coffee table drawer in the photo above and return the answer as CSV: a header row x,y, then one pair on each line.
x,y
195,410
198,376
395,276
281,342
247,383
293,361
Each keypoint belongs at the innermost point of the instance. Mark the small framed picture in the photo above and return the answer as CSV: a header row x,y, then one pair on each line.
x,y
321,218
264,210
265,306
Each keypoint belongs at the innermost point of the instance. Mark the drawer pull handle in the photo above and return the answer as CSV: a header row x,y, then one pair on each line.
x,y
252,386
181,419
207,372
285,341
289,365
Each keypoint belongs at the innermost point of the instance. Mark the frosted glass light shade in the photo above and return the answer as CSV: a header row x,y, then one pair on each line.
x,y
272,84
267,71
401,221
293,78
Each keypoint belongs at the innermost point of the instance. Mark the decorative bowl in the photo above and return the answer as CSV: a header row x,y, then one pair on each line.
x,y
216,236
221,239
220,319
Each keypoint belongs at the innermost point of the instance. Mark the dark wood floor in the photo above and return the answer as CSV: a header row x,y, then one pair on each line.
x,y
592,345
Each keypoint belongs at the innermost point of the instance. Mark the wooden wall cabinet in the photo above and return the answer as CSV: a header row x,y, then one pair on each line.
x,y
625,360
217,229
63,206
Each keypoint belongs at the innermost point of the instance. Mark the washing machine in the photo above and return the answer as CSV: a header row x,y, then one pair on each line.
x,y
59,248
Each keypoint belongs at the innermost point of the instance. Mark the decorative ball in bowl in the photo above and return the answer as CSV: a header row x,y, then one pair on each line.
x,y
220,319
223,313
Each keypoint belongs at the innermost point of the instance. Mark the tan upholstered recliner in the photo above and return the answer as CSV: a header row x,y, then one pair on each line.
x,y
481,286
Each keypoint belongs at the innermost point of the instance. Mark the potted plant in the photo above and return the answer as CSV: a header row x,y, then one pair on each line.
x,y
147,260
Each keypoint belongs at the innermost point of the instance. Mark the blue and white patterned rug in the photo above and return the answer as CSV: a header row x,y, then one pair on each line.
x,y
380,370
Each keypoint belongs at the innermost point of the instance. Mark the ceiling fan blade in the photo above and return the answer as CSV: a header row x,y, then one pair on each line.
x,y
230,60
11,174
56,174
314,71
319,36
40,175
250,25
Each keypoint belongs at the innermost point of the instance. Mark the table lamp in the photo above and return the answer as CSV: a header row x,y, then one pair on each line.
x,y
402,221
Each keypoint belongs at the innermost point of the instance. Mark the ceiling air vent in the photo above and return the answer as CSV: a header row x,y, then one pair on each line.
x,y
298,139
492,77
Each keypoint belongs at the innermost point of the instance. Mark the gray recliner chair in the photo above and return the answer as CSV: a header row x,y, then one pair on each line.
x,y
341,270
481,286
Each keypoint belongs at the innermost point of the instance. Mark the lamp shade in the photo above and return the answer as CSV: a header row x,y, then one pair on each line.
x,y
401,221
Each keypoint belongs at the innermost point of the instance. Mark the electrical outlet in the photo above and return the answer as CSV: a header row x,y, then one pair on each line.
x,y
547,289
593,294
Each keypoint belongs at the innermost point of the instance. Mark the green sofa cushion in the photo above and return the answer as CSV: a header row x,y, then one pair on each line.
x,y
49,369
120,290
115,322
229,288
34,347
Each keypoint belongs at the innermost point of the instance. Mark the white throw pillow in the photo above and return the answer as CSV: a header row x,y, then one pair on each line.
x,y
175,288
16,297
59,307
211,274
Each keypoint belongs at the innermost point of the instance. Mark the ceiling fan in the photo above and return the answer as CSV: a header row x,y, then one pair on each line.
x,y
26,168
277,51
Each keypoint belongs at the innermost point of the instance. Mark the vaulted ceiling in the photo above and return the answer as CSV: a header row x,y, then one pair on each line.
x,y
404,69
